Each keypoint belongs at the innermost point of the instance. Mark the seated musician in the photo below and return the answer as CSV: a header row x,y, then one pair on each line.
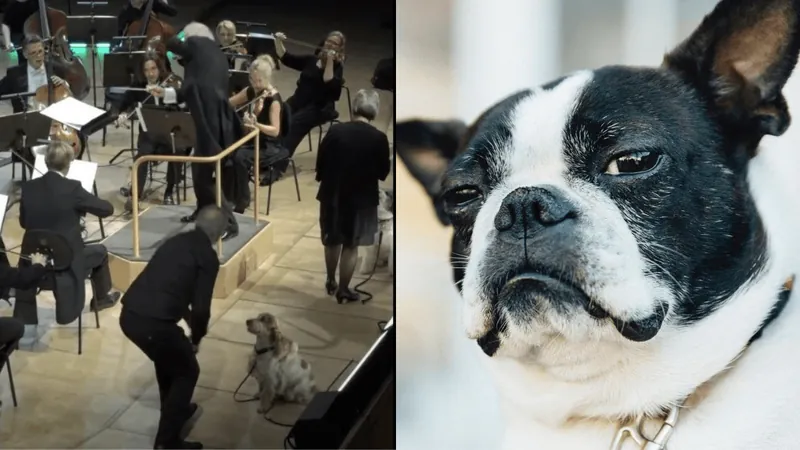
x,y
27,77
155,75
134,9
318,89
266,116
55,203
226,36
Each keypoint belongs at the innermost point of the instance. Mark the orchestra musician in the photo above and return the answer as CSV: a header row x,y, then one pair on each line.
x,y
13,25
226,36
133,10
268,116
205,92
156,76
28,77
318,89
56,203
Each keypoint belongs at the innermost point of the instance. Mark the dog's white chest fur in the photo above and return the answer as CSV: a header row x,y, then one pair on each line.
x,y
751,406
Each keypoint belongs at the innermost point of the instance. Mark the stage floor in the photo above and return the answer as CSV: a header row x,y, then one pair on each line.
x,y
159,222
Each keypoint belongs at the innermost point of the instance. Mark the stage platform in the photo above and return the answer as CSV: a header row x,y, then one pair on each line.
x,y
240,256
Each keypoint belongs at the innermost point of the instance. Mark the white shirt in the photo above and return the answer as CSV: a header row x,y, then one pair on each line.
x,y
36,79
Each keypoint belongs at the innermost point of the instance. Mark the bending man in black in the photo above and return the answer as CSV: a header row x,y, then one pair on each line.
x,y
178,282
205,92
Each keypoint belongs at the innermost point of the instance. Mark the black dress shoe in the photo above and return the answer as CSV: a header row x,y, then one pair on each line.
x,y
107,302
179,444
190,218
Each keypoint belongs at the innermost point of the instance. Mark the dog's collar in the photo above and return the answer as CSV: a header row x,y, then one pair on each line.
x,y
659,442
261,351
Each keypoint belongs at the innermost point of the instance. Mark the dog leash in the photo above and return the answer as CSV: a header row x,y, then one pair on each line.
x,y
259,351
659,442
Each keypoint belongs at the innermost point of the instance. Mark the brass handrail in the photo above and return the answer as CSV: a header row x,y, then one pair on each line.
x,y
194,159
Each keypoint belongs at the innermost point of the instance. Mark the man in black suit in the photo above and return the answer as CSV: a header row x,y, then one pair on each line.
x,y
55,203
177,283
205,92
27,77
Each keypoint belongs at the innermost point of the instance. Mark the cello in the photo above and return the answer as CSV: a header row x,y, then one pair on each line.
x,y
57,47
156,32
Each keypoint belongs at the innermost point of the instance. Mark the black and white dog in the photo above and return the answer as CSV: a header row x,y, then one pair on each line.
x,y
625,241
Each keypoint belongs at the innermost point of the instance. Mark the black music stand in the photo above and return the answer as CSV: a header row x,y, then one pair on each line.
x,y
169,126
258,40
122,69
90,29
239,79
30,126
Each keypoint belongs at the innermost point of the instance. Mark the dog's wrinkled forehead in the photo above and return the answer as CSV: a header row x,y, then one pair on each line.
x,y
561,128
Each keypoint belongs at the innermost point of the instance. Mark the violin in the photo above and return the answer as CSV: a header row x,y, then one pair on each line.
x,y
57,47
157,33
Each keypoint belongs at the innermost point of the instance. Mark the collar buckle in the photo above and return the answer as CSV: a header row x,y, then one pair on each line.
x,y
659,442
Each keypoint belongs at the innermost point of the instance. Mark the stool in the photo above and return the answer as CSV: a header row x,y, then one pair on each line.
x,y
5,353
319,138
269,188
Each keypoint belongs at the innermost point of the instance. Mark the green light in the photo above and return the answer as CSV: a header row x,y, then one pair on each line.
x,y
100,45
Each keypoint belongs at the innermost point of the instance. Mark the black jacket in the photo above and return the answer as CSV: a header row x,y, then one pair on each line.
x,y
180,276
205,92
56,203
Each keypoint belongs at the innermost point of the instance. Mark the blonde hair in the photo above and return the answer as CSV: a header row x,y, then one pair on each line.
x,y
226,25
340,35
197,29
263,65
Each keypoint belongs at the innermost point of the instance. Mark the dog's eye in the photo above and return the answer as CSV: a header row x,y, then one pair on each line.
x,y
460,197
633,163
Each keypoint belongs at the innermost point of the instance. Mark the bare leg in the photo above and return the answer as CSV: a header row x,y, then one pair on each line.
x,y
332,253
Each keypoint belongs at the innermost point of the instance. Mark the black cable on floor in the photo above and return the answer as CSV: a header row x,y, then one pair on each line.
x,y
252,399
367,295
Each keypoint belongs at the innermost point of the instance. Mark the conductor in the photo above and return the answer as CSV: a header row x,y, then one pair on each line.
x,y
177,283
205,92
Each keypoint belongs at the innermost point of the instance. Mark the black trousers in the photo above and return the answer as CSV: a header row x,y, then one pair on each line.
x,y
205,191
176,366
148,147
302,122
96,257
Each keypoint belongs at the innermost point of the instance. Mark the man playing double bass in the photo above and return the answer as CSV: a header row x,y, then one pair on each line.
x,y
205,92
27,77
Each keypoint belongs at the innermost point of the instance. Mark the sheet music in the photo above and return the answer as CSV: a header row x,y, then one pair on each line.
x,y
72,112
83,171
4,205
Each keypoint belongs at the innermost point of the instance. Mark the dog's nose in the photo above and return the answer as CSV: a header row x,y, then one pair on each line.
x,y
529,209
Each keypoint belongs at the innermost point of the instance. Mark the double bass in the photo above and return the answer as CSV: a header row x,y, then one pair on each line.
x,y
57,56
51,25
156,32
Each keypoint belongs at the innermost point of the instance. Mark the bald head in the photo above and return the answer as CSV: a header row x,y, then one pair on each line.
x,y
211,221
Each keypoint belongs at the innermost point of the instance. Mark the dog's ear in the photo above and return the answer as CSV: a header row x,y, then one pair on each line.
x,y
427,148
741,56
283,346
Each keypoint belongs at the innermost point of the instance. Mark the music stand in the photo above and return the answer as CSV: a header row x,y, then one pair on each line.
x,y
90,29
30,126
239,79
123,69
169,126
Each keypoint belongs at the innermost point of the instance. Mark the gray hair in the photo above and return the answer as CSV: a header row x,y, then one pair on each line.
x,y
59,156
197,29
211,221
366,104
31,39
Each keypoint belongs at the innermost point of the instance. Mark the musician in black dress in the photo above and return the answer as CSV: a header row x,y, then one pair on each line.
x,y
268,115
318,88
156,76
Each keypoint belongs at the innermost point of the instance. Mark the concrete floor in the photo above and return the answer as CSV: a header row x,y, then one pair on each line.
x,y
107,397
